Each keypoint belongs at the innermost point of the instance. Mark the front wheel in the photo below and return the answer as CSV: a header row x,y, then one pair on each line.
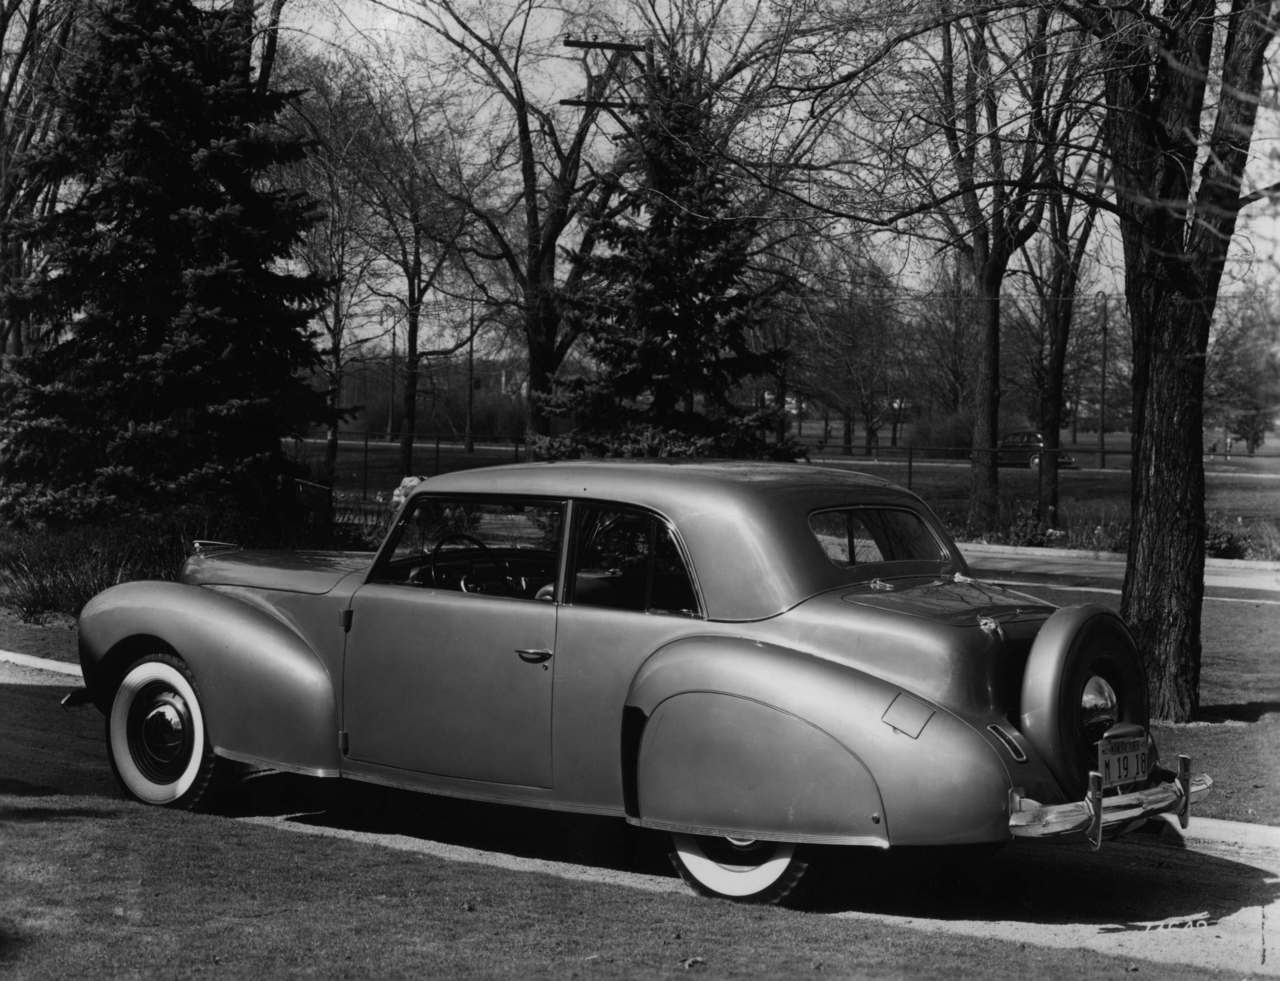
x,y
156,737
733,868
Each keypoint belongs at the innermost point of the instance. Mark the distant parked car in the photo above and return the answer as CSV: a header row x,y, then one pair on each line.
x,y
1024,448
752,658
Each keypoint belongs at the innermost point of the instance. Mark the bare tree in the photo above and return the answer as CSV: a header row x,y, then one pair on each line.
x,y
1242,372
406,181
522,179
36,40
1002,83
258,21
331,113
943,342
1183,84
1055,270
853,360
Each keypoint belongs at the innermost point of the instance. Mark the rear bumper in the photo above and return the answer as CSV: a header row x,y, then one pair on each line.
x,y
1098,817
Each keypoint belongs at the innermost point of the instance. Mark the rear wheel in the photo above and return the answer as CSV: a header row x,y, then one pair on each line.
x,y
156,737
736,868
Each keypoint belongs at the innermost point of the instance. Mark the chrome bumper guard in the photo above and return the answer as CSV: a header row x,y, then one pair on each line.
x,y
1097,816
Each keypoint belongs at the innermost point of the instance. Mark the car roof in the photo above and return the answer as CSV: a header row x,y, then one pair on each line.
x,y
744,523
651,481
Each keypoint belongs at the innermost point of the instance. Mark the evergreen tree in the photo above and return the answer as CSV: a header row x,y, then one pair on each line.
x,y
673,304
183,341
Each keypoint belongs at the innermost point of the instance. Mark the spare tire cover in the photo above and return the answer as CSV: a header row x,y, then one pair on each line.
x,y
1076,645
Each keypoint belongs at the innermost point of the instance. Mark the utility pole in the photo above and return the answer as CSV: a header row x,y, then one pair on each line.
x,y
391,402
469,442
1102,390
618,51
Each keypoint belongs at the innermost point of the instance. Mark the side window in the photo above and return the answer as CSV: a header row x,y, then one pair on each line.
x,y
625,559
476,545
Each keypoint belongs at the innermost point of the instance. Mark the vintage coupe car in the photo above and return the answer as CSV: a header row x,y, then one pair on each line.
x,y
753,658
1025,449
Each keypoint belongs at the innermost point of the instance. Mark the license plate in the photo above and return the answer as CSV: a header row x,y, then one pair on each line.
x,y
1122,761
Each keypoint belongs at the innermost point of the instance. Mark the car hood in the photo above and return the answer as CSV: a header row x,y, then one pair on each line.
x,y
311,572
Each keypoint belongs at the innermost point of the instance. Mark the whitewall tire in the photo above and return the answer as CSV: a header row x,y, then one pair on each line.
x,y
156,735
730,868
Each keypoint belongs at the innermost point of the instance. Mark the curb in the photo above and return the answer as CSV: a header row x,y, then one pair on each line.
x,y
41,663
1214,831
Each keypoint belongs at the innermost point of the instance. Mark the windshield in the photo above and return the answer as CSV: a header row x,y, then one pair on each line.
x,y
855,536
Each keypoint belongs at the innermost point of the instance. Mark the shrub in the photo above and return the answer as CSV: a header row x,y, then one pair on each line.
x,y
732,438
1226,539
58,571
1265,538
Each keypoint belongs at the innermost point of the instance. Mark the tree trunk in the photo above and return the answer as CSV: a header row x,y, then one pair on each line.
x,y
984,506
542,367
1060,312
1176,235
1164,579
780,400
329,468
409,397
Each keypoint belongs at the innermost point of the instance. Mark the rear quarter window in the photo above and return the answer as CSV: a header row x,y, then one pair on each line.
x,y
862,535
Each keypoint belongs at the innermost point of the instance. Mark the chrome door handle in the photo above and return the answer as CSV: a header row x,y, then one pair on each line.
x,y
533,655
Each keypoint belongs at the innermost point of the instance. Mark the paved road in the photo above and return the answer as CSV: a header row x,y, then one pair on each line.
x,y
1211,899
1067,569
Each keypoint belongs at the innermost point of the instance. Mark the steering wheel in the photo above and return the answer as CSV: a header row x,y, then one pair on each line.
x,y
485,556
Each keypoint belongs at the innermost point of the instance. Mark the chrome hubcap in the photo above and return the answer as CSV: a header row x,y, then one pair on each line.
x,y
160,733
1099,708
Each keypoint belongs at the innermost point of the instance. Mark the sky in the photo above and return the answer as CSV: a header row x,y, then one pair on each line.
x,y
1256,246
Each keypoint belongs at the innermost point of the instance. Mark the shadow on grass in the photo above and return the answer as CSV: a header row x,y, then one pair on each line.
x,y
50,806
1144,878
1129,885
8,785
581,839
1240,712
44,815
10,942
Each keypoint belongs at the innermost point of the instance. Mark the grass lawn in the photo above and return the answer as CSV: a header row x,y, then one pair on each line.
x,y
93,887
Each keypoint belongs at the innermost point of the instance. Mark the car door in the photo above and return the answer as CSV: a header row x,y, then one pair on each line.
x,y
628,592
449,665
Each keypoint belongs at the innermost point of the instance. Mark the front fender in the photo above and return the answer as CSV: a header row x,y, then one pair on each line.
x,y
756,740
267,697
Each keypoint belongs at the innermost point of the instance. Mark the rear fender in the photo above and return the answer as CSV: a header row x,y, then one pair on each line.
x,y
834,755
267,697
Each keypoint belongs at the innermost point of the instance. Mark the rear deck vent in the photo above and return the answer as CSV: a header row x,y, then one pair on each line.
x,y
1008,742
